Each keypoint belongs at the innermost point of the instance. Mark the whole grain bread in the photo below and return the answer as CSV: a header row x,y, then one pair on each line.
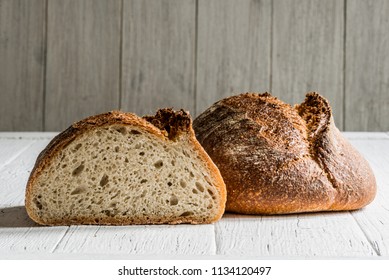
x,y
117,168
275,158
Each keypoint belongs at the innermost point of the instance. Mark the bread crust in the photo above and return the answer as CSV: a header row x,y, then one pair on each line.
x,y
276,159
176,124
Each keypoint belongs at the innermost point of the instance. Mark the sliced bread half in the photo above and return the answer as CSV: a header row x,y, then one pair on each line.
x,y
117,168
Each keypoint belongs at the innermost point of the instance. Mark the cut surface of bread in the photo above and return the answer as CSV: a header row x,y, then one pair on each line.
x,y
276,159
117,169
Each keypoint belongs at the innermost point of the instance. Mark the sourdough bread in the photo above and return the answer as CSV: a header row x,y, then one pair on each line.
x,y
117,168
278,159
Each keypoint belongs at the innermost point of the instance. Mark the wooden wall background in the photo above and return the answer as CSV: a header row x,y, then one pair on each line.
x,y
62,60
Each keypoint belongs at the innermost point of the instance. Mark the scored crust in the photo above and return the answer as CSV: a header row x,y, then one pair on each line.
x,y
166,124
277,159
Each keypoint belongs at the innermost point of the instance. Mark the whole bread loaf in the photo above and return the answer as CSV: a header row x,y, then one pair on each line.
x,y
278,159
117,168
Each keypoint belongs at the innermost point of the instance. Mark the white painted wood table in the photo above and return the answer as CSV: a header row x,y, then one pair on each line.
x,y
363,233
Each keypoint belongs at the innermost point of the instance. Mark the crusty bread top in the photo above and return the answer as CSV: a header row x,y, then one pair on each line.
x,y
276,158
167,124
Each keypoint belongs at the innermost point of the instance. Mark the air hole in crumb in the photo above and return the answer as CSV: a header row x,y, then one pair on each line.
x,y
199,187
126,160
173,162
182,183
121,130
142,153
191,174
38,203
78,190
195,191
104,180
143,181
158,164
210,192
173,200
78,170
77,146
169,184
137,146
133,131
116,149
187,213
208,180
98,133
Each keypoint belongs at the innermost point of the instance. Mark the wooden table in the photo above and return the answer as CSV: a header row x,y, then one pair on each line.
x,y
363,233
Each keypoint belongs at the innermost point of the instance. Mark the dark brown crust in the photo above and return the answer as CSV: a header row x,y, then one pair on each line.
x,y
163,118
276,159
171,122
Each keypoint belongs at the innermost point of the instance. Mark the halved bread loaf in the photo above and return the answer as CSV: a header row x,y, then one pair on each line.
x,y
117,168
276,159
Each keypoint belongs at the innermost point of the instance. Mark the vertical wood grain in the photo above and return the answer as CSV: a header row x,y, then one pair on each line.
x,y
158,55
83,60
367,65
308,38
233,49
22,58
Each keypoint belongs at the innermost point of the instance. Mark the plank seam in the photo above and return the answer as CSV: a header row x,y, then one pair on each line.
x,y
60,240
196,57
371,243
16,155
271,47
344,61
45,66
121,54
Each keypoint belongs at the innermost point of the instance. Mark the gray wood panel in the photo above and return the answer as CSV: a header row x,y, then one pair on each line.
x,y
158,55
83,60
22,57
367,65
233,49
308,39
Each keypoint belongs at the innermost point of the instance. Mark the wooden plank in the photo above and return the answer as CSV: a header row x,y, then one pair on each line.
x,y
83,60
22,59
15,174
140,240
18,233
367,65
28,239
308,51
321,235
374,219
233,49
158,55
10,149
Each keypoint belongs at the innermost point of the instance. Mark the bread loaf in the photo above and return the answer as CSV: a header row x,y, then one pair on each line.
x,y
278,159
117,168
